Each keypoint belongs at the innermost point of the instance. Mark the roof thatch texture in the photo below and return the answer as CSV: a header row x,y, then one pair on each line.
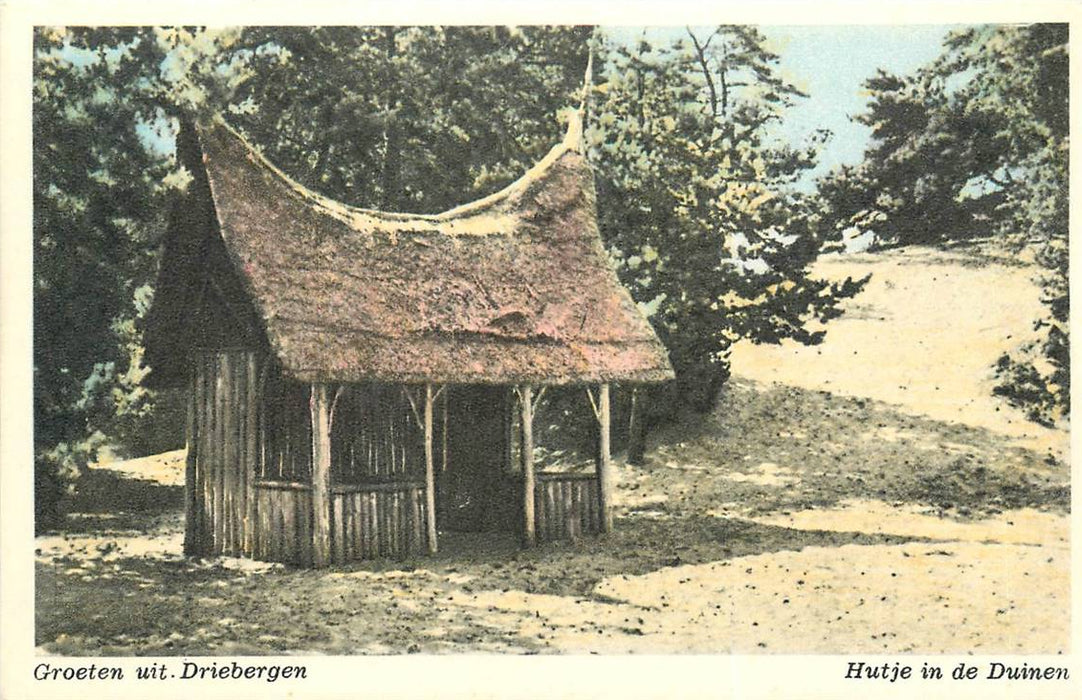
x,y
513,288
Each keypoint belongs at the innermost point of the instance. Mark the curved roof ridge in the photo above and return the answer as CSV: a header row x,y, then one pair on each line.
x,y
478,217
572,141
336,296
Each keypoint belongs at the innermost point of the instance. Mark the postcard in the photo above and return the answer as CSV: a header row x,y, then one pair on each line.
x,y
547,352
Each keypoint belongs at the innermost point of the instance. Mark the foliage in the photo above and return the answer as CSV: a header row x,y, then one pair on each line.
x,y
103,175
410,109
695,194
976,144
416,119
97,193
697,204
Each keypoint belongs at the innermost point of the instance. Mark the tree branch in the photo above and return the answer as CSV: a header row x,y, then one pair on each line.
x,y
700,54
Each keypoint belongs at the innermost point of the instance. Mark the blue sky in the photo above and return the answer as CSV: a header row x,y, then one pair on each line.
x,y
830,63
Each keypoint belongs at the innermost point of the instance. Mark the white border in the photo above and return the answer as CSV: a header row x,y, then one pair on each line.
x,y
416,676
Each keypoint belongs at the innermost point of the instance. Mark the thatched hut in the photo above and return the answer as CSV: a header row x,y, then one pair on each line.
x,y
354,376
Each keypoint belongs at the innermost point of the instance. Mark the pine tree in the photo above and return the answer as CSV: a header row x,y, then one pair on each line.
x,y
976,145
697,200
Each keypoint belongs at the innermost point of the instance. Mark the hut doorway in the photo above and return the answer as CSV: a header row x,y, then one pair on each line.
x,y
477,491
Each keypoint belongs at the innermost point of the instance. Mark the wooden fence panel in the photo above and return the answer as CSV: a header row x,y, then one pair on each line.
x,y
567,506
377,520
283,523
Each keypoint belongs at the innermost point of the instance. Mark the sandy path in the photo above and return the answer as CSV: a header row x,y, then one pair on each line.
x,y
1025,526
999,585
959,594
932,598
800,522
923,335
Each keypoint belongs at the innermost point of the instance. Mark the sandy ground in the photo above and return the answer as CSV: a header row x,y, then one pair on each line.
x,y
924,334
830,504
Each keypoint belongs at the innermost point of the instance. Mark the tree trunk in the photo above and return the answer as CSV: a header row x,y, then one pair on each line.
x,y
391,160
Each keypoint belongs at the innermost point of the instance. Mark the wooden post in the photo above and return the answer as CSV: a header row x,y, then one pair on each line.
x,y
529,536
321,475
636,429
191,503
204,467
443,433
430,474
221,442
252,466
509,431
604,465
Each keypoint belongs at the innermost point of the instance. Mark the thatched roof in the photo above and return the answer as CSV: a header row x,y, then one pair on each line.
x,y
515,287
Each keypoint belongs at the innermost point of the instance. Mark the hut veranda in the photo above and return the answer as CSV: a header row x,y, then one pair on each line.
x,y
360,380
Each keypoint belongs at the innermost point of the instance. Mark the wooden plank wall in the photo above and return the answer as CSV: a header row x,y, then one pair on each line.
x,y
367,522
223,453
567,506
283,524
377,520
375,437
286,430
247,472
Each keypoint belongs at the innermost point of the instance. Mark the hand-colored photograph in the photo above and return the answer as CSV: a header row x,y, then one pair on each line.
x,y
559,340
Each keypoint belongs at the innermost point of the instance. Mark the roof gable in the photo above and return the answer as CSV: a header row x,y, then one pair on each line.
x,y
515,287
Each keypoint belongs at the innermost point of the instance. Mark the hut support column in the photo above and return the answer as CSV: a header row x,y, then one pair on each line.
x,y
528,484
430,473
604,462
443,432
321,475
191,503
636,429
